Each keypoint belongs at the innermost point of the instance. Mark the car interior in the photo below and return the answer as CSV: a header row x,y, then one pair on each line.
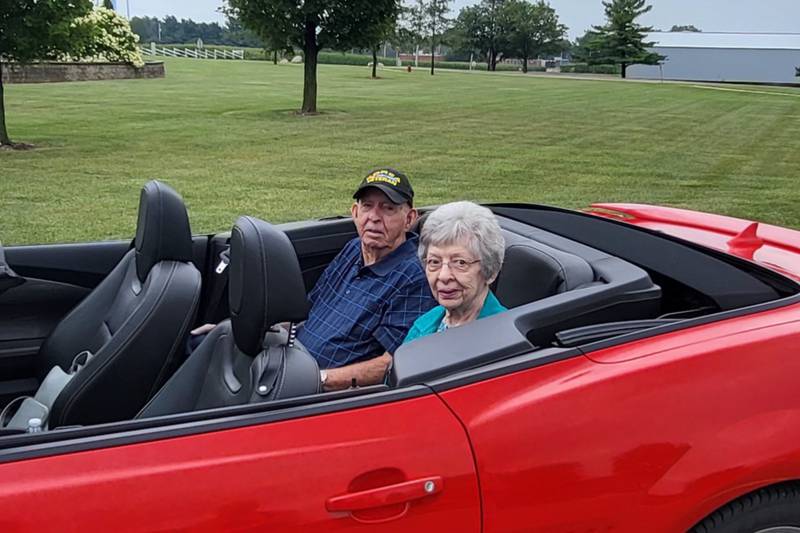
x,y
95,333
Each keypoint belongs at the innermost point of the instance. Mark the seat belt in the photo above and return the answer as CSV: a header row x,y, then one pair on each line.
x,y
219,287
268,376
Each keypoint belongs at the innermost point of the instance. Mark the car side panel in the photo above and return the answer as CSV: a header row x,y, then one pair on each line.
x,y
271,477
652,443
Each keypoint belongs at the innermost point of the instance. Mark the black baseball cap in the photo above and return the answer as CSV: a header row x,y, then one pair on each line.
x,y
391,182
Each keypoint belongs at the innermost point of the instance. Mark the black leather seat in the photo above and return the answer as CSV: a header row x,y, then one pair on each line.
x,y
532,271
246,359
133,323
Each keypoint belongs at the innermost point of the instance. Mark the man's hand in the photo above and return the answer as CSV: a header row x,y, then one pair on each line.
x,y
202,330
366,373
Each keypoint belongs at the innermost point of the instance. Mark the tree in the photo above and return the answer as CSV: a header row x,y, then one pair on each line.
x,y
480,30
108,4
146,28
621,40
469,32
532,30
32,30
236,34
690,28
586,47
377,35
236,30
314,25
173,31
411,30
564,46
436,23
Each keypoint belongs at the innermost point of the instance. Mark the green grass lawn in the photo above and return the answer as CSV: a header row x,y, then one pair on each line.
x,y
224,135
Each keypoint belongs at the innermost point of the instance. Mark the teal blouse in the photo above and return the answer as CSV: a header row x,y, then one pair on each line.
x,y
430,322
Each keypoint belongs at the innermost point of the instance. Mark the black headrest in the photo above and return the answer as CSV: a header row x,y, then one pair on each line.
x,y
162,231
532,271
265,282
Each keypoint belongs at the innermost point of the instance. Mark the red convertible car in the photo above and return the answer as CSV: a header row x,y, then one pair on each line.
x,y
644,379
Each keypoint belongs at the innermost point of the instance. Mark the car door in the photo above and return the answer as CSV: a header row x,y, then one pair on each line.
x,y
57,277
389,461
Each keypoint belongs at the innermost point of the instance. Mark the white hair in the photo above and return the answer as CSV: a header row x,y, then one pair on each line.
x,y
469,225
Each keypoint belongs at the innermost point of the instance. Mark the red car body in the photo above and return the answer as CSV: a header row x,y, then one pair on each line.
x,y
648,435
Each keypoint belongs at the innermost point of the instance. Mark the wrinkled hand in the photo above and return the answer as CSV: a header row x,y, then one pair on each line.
x,y
202,330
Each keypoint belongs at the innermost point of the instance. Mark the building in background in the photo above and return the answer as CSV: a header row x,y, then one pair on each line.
x,y
725,57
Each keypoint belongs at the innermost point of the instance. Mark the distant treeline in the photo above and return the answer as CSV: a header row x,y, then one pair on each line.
x,y
173,31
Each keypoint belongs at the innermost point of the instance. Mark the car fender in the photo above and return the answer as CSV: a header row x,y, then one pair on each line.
x,y
705,470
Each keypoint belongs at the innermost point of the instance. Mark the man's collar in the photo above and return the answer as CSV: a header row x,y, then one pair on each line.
x,y
388,263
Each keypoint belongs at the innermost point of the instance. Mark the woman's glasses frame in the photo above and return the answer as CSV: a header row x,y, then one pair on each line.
x,y
434,264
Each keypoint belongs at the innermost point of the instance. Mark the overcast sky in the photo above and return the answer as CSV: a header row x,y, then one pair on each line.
x,y
709,15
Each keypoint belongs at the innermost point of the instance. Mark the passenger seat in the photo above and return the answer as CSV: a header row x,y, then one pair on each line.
x,y
244,360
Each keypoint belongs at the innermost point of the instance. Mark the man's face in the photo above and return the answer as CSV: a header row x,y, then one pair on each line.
x,y
381,224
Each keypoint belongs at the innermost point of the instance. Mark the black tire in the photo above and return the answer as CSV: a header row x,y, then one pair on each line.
x,y
757,512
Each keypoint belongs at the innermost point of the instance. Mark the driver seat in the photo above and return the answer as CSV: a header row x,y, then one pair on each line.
x,y
132,325
247,359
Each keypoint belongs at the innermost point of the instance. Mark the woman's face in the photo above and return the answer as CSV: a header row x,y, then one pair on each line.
x,y
454,274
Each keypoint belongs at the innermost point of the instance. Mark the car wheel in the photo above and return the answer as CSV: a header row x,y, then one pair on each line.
x,y
769,510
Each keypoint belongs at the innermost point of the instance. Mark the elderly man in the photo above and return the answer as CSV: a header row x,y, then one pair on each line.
x,y
366,300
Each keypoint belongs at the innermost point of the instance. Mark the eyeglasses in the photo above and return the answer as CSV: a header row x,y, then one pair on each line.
x,y
434,264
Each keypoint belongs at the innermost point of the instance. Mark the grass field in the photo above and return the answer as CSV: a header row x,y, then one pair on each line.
x,y
224,135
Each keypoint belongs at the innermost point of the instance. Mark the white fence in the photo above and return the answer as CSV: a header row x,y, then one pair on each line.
x,y
196,53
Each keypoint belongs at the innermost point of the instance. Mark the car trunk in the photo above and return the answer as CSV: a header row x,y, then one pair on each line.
x,y
773,247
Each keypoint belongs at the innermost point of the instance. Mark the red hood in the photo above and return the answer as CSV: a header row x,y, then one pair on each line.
x,y
771,246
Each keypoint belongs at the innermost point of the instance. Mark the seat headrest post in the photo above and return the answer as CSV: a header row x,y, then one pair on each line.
x,y
162,230
265,283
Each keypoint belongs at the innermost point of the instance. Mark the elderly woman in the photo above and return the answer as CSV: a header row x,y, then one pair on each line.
x,y
461,248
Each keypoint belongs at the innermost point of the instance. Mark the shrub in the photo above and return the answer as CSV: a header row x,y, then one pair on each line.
x,y
464,65
342,58
103,35
583,68
455,65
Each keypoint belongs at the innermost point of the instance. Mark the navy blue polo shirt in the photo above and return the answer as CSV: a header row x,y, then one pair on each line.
x,y
359,312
